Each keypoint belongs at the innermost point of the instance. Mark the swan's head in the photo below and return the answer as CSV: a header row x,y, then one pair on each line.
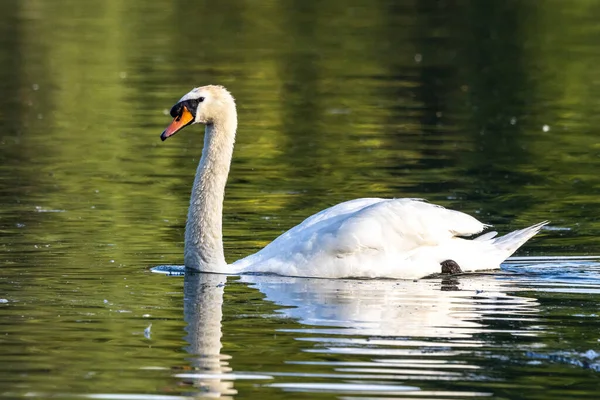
x,y
202,105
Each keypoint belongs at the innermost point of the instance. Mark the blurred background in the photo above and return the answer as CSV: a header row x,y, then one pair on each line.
x,y
488,107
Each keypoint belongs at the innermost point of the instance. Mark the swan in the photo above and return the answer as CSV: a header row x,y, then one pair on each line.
x,y
362,238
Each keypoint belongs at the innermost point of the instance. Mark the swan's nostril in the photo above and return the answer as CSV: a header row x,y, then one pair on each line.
x,y
182,117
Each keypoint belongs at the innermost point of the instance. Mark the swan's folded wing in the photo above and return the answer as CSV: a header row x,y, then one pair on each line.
x,y
401,225
303,238
362,227
332,213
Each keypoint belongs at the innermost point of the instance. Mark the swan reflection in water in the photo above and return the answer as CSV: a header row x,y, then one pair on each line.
x,y
408,330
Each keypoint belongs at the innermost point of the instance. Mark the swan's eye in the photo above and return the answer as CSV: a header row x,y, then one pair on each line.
x,y
201,99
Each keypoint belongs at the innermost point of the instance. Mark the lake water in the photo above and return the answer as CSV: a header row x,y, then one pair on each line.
x,y
489,107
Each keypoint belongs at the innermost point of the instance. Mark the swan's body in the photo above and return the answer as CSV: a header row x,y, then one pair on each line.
x,y
393,238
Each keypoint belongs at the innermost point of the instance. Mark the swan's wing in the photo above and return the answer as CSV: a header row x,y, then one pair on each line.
x,y
402,225
327,216
290,241
366,226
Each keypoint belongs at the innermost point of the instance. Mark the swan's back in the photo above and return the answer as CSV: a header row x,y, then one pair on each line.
x,y
366,238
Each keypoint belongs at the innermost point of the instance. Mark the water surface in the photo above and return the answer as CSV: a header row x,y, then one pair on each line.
x,y
486,107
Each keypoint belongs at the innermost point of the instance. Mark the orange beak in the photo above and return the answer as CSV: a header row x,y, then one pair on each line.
x,y
180,122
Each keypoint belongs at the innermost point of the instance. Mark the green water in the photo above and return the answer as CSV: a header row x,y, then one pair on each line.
x,y
488,107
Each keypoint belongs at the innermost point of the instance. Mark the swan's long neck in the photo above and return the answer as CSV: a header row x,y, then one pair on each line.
x,y
204,231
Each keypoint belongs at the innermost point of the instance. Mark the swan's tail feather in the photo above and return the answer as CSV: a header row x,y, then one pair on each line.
x,y
486,236
510,242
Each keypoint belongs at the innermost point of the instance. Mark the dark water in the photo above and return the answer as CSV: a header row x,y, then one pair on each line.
x,y
487,107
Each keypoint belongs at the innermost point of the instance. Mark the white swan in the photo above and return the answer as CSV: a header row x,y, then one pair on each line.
x,y
374,238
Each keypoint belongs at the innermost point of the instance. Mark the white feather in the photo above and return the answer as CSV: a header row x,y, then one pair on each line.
x,y
399,238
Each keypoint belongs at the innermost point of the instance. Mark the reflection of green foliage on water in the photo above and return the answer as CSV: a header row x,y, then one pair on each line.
x,y
336,101
450,109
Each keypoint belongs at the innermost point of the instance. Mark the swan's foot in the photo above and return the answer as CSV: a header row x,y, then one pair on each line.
x,y
450,267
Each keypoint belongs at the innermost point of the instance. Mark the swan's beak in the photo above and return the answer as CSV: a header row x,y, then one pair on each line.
x,y
180,122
